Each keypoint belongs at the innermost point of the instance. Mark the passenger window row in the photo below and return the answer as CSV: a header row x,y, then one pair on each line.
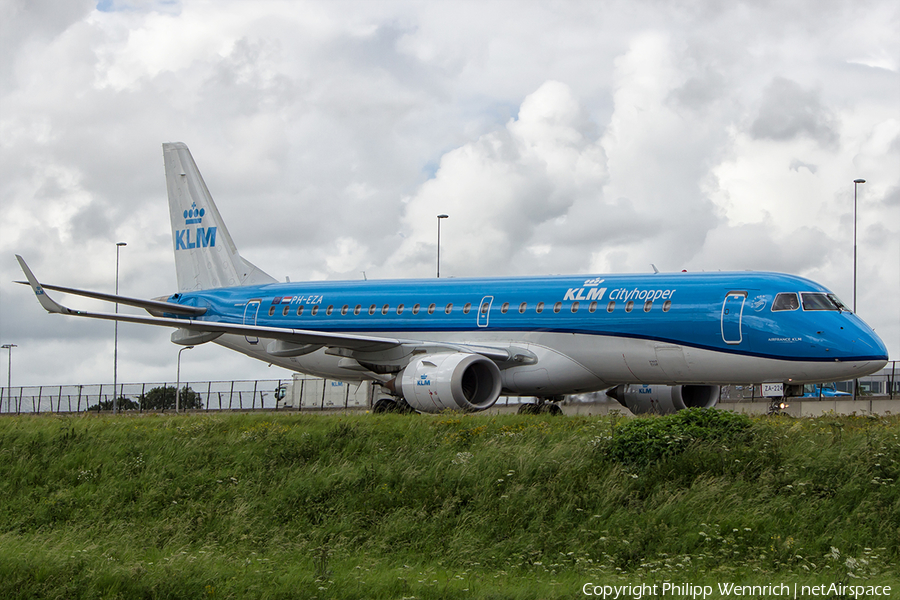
x,y
467,308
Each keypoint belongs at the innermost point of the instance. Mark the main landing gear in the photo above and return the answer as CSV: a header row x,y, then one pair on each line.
x,y
543,406
390,405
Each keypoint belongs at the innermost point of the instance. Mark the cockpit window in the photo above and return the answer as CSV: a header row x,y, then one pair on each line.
x,y
838,303
820,301
786,301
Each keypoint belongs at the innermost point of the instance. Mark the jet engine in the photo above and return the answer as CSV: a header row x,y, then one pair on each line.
x,y
664,399
454,381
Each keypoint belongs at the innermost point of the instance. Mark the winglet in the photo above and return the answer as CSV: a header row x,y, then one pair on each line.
x,y
48,304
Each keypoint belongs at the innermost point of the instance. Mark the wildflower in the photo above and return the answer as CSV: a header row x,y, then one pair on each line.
x,y
462,458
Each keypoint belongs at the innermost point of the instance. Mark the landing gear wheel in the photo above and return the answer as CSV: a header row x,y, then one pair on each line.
x,y
384,405
528,409
389,405
777,408
402,407
551,409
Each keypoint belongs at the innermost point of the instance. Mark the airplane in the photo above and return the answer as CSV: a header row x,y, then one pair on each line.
x,y
459,343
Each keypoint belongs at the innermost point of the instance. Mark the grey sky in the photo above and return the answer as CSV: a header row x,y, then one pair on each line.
x,y
559,137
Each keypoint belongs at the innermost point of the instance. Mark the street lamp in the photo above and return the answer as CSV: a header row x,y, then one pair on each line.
x,y
116,342
856,183
439,217
178,379
8,347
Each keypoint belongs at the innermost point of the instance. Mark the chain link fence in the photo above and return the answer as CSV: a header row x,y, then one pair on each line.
x,y
883,384
310,393
264,394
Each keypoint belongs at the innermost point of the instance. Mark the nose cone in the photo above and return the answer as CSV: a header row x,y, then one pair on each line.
x,y
869,344
844,337
865,348
881,348
842,344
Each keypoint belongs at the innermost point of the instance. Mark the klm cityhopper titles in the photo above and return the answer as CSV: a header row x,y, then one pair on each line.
x,y
458,344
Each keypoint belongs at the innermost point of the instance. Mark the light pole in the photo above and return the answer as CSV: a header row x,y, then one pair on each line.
x,y
8,348
178,379
856,183
439,217
116,340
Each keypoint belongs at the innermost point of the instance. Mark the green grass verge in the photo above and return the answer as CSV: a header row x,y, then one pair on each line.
x,y
413,506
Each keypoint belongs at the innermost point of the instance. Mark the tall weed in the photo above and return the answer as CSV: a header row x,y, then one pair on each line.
x,y
288,505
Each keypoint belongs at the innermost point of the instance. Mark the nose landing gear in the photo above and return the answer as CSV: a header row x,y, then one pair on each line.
x,y
777,407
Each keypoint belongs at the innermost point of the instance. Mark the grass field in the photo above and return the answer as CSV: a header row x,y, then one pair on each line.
x,y
413,506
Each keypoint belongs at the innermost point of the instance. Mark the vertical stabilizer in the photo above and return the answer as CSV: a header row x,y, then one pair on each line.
x,y
205,255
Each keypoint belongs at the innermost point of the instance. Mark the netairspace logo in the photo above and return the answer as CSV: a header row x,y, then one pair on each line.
x,y
726,590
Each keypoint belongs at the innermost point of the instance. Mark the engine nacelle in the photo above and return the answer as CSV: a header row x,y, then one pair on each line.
x,y
454,381
664,399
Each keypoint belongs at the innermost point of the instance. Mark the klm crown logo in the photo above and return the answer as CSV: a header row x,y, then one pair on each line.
x,y
201,238
194,216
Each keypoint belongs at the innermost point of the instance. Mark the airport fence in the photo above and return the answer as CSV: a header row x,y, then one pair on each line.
x,y
310,393
263,394
296,394
882,384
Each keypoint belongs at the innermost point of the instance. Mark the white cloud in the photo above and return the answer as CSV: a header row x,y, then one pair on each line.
x,y
507,191
558,137
788,111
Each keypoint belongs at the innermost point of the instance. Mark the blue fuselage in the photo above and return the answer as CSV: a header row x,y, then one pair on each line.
x,y
665,328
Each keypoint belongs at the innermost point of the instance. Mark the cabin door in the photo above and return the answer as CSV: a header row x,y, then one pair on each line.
x,y
484,311
732,313
250,313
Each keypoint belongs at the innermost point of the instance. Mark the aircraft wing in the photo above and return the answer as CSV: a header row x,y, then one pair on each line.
x,y
352,342
154,307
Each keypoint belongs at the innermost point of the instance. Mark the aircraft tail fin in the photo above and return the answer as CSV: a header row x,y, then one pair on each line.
x,y
205,254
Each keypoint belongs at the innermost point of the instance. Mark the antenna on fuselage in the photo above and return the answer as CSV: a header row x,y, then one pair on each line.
x,y
655,270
